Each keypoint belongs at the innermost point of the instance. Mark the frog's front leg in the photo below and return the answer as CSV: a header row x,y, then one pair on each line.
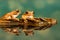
x,y
16,19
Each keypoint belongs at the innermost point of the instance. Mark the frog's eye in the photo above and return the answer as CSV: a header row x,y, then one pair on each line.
x,y
17,10
26,12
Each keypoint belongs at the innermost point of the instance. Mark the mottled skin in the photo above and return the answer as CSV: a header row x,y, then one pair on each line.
x,y
25,16
12,15
28,15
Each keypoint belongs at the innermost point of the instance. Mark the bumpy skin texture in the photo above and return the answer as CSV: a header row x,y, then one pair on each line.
x,y
28,15
25,16
12,15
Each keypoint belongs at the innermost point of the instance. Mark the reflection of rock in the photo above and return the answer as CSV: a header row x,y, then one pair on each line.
x,y
12,30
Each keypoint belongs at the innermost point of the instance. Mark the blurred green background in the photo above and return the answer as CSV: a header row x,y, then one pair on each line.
x,y
42,8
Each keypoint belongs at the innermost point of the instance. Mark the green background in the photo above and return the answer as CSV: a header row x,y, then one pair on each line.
x,y
42,8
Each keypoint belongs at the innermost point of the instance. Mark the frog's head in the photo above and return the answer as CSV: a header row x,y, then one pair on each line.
x,y
29,13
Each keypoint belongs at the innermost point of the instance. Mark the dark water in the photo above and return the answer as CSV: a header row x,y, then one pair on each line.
x,y
42,8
